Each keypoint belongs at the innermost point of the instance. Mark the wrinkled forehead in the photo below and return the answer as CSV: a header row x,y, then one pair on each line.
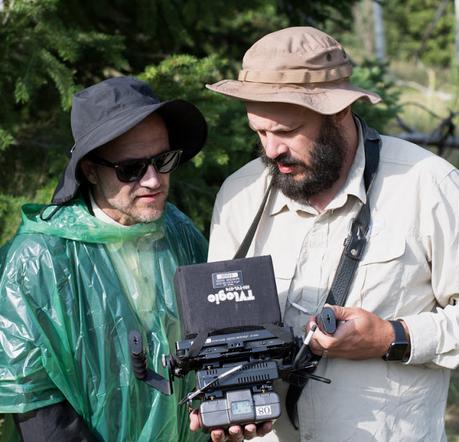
x,y
278,114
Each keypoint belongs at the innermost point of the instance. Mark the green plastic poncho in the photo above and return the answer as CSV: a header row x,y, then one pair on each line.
x,y
71,290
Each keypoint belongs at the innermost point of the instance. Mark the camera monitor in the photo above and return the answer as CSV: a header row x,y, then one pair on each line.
x,y
227,296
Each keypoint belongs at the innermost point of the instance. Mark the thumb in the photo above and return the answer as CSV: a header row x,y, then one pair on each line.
x,y
194,421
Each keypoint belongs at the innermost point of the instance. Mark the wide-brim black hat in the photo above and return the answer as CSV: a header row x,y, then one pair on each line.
x,y
110,108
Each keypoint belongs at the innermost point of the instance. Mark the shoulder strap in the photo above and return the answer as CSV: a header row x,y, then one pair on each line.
x,y
245,244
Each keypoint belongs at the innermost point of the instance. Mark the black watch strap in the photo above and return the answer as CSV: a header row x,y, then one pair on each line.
x,y
397,350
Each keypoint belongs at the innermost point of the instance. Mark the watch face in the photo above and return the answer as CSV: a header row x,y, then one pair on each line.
x,y
399,347
396,351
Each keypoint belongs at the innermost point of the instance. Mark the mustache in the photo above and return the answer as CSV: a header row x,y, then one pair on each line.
x,y
285,159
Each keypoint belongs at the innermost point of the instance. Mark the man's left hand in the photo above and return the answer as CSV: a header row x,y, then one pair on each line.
x,y
360,335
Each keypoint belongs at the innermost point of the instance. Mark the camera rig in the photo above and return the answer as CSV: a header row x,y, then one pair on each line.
x,y
234,342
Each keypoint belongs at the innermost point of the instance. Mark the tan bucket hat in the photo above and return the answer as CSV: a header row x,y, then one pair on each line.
x,y
299,65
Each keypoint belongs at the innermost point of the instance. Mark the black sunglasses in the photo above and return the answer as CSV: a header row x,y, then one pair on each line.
x,y
133,170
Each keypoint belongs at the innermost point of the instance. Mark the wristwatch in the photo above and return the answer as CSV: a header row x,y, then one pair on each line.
x,y
397,350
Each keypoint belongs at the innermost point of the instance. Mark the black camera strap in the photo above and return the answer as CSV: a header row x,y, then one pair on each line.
x,y
245,244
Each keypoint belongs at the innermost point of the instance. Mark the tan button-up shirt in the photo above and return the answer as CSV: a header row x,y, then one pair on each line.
x,y
410,270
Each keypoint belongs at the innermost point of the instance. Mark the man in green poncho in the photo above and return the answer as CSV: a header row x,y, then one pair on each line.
x,y
83,272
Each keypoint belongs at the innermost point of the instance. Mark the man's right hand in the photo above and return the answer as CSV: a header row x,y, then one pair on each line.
x,y
359,335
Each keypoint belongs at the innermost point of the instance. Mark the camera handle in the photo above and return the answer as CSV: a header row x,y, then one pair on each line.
x,y
139,365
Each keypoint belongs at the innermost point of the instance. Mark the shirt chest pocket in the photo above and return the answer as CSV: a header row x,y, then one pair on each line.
x,y
384,248
381,271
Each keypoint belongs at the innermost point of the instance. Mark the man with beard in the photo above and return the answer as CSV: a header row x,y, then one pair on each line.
x,y
398,334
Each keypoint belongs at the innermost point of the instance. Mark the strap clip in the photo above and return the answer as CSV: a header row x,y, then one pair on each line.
x,y
354,244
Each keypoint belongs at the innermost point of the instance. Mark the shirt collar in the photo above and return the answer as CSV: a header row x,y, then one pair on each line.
x,y
354,185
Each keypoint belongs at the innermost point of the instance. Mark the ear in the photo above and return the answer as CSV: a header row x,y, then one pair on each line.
x,y
88,169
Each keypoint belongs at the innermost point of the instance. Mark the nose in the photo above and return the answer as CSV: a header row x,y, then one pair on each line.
x,y
151,178
274,145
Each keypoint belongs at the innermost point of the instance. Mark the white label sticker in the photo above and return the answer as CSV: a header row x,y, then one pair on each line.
x,y
263,410
227,279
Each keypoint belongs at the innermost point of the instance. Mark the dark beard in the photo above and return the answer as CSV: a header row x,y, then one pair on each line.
x,y
327,156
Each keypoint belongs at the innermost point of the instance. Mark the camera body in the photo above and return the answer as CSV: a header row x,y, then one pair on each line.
x,y
235,374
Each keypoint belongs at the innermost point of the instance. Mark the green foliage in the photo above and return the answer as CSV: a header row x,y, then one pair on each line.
x,y
372,76
41,54
413,33
9,214
6,139
29,178
40,51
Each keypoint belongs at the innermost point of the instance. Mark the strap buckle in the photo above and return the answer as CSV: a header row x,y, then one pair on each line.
x,y
354,244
